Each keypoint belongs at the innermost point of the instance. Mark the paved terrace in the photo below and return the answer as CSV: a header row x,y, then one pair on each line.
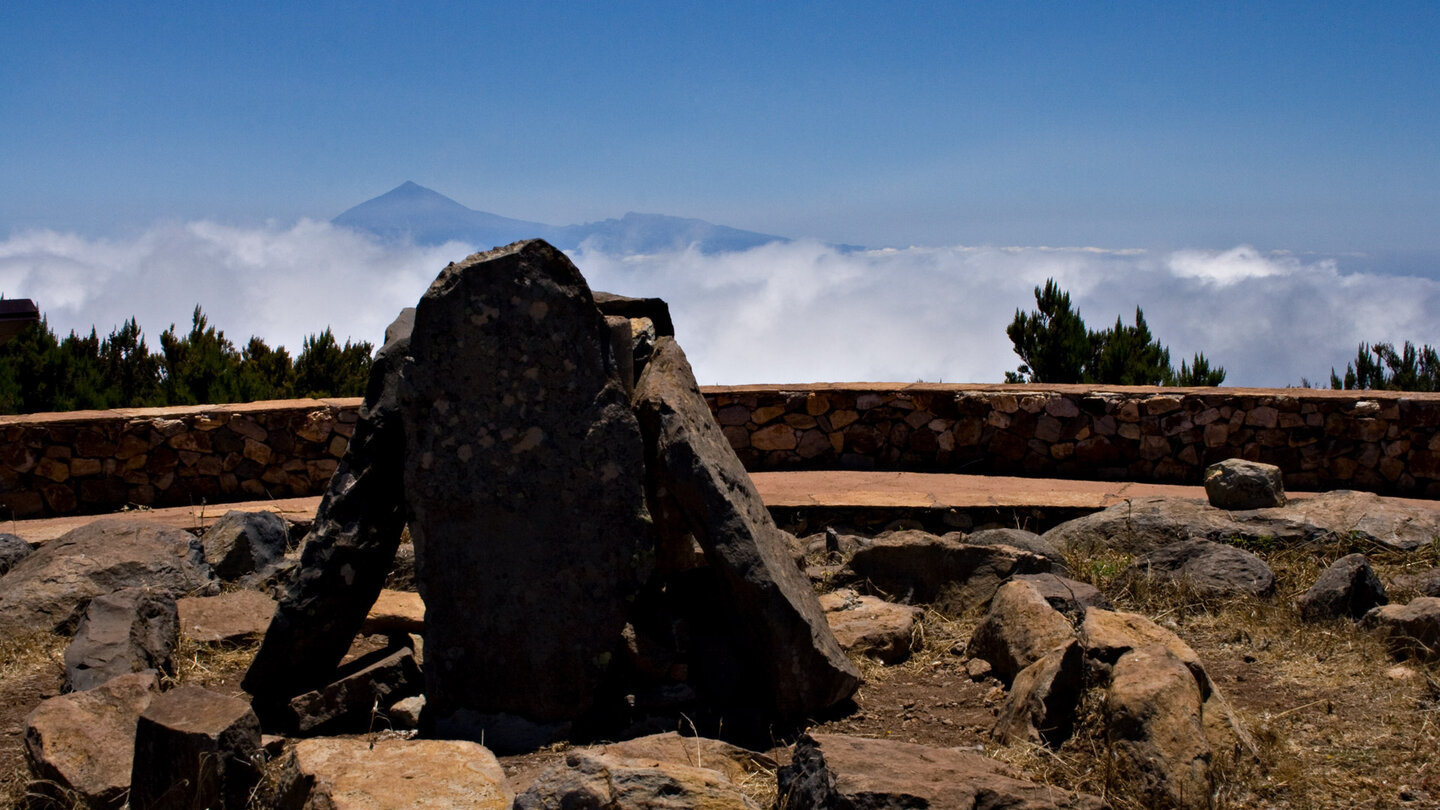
x,y
800,500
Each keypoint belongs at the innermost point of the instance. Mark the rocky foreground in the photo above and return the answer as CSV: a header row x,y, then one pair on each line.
x,y
540,545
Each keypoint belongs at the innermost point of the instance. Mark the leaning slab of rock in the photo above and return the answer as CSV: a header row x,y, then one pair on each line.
x,y
593,779
49,589
524,473
1156,731
129,631
865,625
235,616
833,771
1045,698
12,550
709,492
1019,630
350,773
1239,484
347,554
915,566
367,685
1347,589
1107,635
82,743
195,748
244,543
1409,630
1208,568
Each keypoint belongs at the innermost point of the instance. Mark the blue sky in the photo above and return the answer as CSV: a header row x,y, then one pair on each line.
x,y
1263,178
1305,126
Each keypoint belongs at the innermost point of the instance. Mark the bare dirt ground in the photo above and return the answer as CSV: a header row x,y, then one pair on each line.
x,y
1338,722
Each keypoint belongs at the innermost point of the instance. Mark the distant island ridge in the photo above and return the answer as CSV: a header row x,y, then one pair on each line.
x,y
426,217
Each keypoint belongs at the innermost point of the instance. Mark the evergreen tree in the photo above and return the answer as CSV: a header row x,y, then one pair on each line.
x,y
199,368
265,373
1381,367
325,369
132,371
1198,374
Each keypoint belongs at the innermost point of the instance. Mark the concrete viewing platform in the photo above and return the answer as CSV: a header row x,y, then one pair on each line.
x,y
801,501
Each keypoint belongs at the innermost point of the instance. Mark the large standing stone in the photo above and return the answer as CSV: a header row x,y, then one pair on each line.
x,y
524,473
131,630
49,590
83,742
195,748
779,628
346,556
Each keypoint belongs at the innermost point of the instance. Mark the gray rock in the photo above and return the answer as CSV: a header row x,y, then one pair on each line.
x,y
1020,628
129,631
1212,569
12,550
1108,635
1044,699
524,474
401,327
653,309
1155,729
1068,596
358,772
82,743
346,556
1348,588
1239,484
195,748
405,713
1411,630
49,589
1142,524
1425,583
1015,538
778,629
589,779
865,625
245,543
366,688
914,566
837,771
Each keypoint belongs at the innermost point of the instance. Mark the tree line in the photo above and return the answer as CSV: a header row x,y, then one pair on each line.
x,y
41,372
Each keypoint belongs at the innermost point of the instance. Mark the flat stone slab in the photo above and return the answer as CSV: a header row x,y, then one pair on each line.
x,y
396,612
237,616
351,773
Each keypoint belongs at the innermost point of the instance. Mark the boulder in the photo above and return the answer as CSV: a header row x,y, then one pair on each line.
x,y
365,688
1208,568
128,631
405,713
241,544
12,550
1347,589
524,475
1107,635
915,566
1424,583
733,762
1239,484
195,748
1019,630
83,743
1014,538
865,625
777,630
1142,524
396,613
1155,730
1044,698
350,773
346,556
235,616
837,771
588,779
1409,630
1068,596
49,589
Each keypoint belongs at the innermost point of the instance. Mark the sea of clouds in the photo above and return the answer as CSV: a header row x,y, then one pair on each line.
x,y
781,313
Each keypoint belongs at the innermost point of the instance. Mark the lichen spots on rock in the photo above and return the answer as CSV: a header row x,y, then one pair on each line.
x,y
538,310
532,439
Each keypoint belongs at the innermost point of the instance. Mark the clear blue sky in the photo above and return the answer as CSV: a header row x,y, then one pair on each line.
x,y
1301,126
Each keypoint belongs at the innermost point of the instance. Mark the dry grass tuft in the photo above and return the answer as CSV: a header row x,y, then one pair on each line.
x,y
211,664
24,662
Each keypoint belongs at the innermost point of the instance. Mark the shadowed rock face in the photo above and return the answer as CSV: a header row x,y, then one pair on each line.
x,y
524,473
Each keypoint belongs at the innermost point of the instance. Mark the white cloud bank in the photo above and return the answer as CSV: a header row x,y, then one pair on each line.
x,y
781,313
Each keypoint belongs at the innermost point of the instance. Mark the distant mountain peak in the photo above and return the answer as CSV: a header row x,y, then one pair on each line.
x,y
424,216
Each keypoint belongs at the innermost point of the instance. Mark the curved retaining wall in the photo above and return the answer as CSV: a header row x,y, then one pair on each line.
x,y
100,461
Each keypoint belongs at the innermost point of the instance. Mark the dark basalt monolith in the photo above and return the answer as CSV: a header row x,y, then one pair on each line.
x,y
524,472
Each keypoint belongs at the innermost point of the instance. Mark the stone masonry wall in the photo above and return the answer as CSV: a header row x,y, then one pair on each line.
x,y
99,461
